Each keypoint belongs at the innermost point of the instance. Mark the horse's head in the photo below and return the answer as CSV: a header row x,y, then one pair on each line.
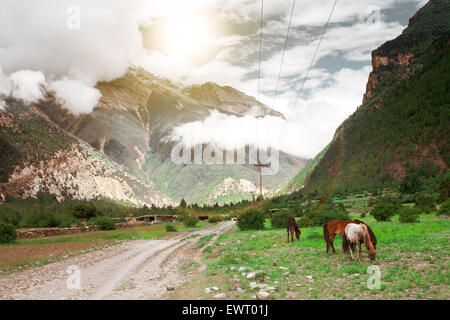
x,y
372,256
297,233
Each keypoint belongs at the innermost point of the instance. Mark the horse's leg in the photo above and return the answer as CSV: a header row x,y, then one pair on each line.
x,y
292,233
359,250
350,247
331,241
288,234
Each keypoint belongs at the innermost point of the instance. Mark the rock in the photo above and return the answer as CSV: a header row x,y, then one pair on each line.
x,y
240,290
241,269
345,274
215,288
310,278
251,275
243,274
276,282
284,268
298,285
270,289
170,288
207,290
262,295
355,275
220,295
232,268
286,273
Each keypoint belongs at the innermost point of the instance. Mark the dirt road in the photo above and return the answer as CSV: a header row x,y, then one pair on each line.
x,y
136,269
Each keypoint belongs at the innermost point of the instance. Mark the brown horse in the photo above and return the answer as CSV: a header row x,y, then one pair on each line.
x,y
353,236
338,226
291,226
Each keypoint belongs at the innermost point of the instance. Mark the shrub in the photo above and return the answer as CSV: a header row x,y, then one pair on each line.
x,y
279,218
190,221
40,219
425,202
363,215
84,211
214,219
7,232
407,214
445,208
250,220
103,223
383,211
317,215
170,228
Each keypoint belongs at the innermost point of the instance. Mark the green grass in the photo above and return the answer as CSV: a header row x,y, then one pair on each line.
x,y
139,232
413,260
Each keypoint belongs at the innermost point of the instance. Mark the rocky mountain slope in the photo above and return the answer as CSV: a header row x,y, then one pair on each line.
x,y
131,127
38,156
404,120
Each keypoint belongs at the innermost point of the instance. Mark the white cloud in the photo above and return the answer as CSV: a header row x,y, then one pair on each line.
x,y
305,134
74,95
27,85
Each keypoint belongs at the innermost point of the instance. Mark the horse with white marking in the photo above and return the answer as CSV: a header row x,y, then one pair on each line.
x,y
354,235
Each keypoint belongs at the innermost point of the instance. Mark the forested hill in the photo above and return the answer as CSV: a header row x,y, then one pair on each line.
x,y
402,127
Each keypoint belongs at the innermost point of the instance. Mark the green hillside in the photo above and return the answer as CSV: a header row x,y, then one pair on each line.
x,y
403,126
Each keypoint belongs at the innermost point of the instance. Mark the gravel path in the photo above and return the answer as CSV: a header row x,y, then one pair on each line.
x,y
136,269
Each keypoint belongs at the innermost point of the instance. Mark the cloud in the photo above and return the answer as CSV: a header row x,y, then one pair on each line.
x,y
27,85
305,134
38,35
75,95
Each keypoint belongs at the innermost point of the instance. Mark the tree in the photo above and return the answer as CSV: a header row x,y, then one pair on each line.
x,y
183,203
410,183
84,211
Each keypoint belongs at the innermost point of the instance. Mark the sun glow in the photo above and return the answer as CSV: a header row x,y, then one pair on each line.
x,y
186,35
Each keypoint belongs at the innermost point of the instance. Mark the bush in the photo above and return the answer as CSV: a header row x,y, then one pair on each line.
x,y
250,220
103,223
383,211
279,218
190,221
317,215
363,215
426,202
84,211
170,228
40,220
407,214
214,219
445,208
7,232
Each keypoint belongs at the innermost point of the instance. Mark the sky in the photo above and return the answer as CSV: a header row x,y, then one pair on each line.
x,y
67,46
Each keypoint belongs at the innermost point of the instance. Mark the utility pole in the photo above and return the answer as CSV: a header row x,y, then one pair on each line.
x,y
260,165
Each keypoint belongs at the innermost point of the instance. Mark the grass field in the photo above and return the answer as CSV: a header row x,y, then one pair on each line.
x,y
27,253
413,259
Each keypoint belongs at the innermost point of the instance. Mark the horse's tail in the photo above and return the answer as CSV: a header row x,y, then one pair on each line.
x,y
326,235
345,245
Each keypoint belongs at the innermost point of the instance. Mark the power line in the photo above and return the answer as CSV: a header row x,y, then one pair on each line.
x,y
282,60
309,68
259,70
